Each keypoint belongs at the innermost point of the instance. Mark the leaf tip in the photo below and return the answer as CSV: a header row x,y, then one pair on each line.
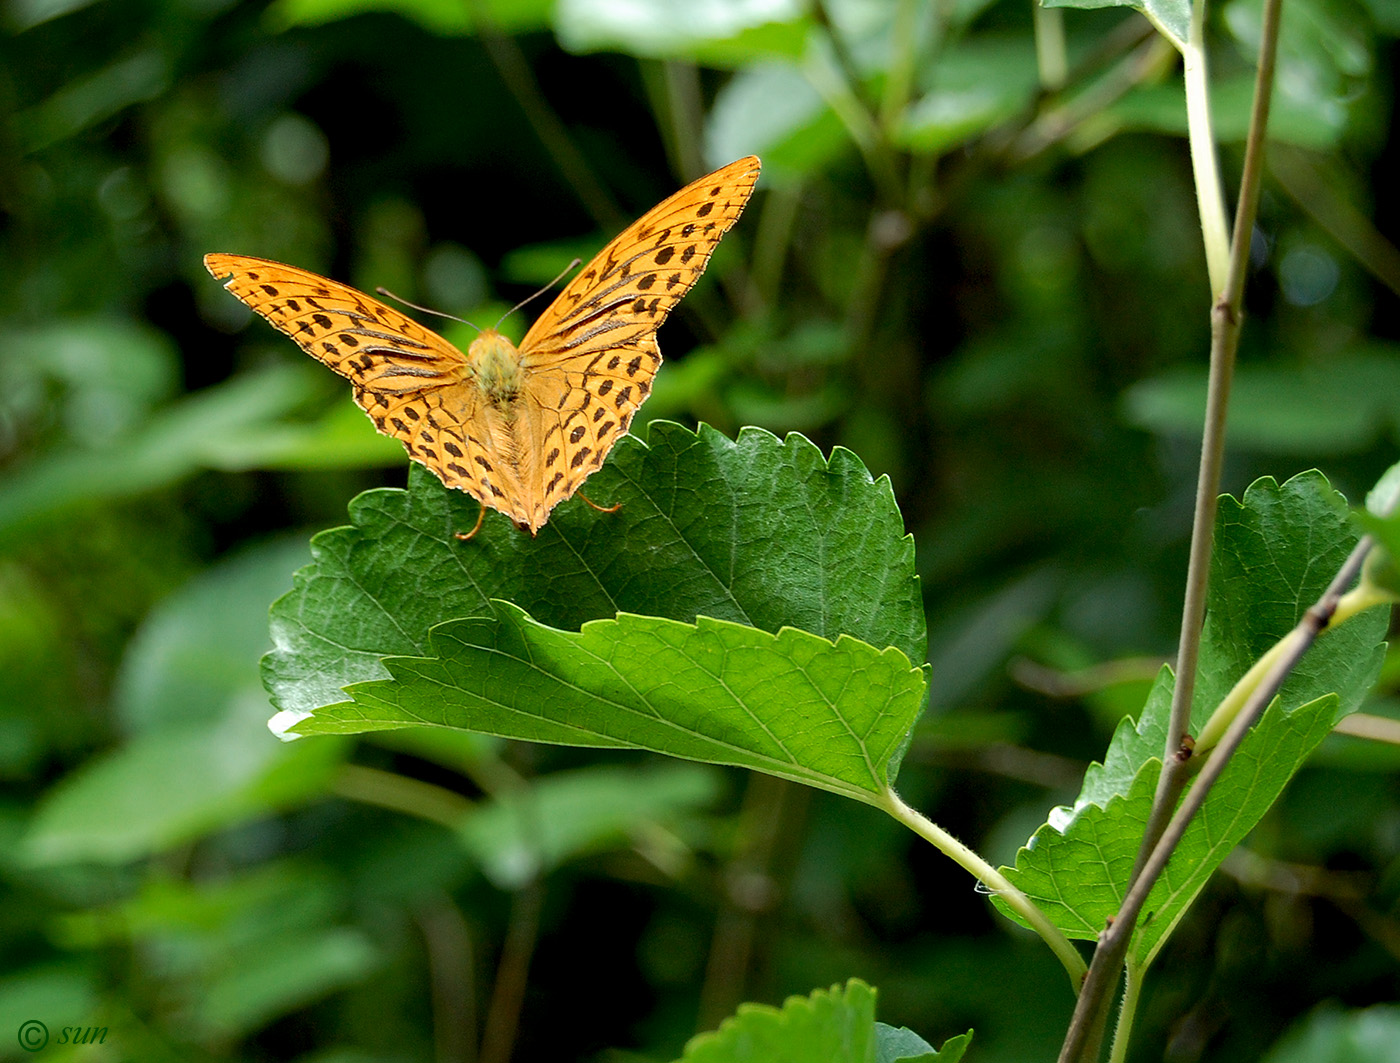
x,y
282,723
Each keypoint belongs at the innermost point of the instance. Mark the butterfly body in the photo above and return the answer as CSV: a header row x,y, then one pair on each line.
x,y
517,428
494,364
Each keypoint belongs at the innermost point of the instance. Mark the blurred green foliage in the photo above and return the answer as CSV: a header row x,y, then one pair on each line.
x,y
983,277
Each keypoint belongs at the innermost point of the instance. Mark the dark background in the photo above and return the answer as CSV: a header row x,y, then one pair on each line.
x,y
1005,312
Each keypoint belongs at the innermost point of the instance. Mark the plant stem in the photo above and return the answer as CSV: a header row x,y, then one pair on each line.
x,y
413,797
899,80
1085,1031
447,942
1051,56
1127,1011
993,879
1209,201
512,973
1313,622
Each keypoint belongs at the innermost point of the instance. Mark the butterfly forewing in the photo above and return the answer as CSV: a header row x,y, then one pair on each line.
x,y
374,345
401,371
631,285
596,344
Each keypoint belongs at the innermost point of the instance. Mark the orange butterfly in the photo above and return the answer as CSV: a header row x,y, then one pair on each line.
x,y
519,429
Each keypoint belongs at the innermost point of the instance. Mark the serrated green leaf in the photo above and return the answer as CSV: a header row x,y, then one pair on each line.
x,y
1078,878
1381,519
755,531
1274,554
832,715
903,1045
833,1025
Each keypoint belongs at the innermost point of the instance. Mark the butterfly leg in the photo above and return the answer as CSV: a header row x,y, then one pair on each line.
x,y
464,536
601,509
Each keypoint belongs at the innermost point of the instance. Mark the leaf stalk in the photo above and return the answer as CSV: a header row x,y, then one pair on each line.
x,y
993,879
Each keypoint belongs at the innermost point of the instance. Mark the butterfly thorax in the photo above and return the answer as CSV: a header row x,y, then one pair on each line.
x,y
494,364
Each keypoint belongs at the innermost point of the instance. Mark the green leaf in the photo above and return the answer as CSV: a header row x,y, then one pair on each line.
x,y
1171,17
445,17
283,974
233,953
829,1026
773,109
794,705
200,759
977,84
47,993
526,832
1329,1035
1304,122
755,531
1381,519
171,786
1383,500
87,101
1339,407
903,1045
1079,877
1274,554
716,32
192,659
209,429
835,1025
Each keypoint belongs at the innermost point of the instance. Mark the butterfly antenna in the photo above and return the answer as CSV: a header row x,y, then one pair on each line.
x,y
562,274
426,309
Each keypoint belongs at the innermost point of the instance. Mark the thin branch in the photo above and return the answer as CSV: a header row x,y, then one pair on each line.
x,y
399,793
1321,199
1299,641
512,975
1051,55
1083,1039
